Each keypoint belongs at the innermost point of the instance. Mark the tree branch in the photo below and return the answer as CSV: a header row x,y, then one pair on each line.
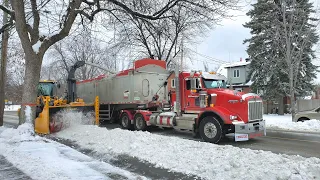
x,y
67,24
155,15
6,10
36,20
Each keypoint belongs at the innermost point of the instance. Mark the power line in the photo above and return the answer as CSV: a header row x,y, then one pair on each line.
x,y
208,57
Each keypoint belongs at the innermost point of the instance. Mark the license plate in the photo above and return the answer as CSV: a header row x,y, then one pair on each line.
x,y
241,137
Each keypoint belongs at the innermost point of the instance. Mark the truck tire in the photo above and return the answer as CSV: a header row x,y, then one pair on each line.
x,y
210,130
125,121
139,123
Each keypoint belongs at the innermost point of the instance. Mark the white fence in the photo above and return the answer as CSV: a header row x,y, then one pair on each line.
x,y
307,104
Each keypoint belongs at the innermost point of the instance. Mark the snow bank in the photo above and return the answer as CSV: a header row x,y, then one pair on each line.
x,y
284,122
209,161
11,107
41,159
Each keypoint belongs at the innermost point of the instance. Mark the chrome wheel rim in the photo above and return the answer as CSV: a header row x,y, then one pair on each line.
x,y
125,121
139,123
210,130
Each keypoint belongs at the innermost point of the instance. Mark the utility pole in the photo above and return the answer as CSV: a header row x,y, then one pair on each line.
x,y
4,51
181,60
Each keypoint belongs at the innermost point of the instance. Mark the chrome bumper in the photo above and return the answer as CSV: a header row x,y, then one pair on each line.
x,y
244,132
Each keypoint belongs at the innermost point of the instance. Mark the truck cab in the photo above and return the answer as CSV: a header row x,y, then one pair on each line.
x,y
217,110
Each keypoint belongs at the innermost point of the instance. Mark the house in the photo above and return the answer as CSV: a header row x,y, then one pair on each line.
x,y
237,78
237,75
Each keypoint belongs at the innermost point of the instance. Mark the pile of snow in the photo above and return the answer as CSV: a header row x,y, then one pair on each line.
x,y
41,158
11,107
274,121
208,161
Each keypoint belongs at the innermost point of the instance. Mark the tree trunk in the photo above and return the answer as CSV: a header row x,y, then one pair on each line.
x,y
281,106
31,80
4,51
292,99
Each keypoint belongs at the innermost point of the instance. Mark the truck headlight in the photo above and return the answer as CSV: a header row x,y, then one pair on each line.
x,y
233,117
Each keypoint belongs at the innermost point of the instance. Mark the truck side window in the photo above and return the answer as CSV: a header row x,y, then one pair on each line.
x,y
188,84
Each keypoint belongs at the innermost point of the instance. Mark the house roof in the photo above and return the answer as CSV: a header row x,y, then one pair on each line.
x,y
236,64
222,70
223,67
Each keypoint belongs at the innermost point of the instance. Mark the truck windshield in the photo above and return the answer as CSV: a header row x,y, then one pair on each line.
x,y
214,83
45,89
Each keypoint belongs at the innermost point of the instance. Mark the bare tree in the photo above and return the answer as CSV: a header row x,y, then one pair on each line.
x,y
30,20
162,38
80,47
4,51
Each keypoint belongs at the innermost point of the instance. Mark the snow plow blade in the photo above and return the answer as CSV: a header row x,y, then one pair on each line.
x,y
46,122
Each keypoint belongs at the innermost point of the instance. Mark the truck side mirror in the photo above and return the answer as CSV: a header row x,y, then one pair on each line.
x,y
193,83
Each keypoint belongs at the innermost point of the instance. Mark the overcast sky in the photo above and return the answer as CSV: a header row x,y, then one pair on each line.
x,y
225,42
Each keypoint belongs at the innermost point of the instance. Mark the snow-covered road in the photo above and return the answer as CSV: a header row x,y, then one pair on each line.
x,y
40,158
205,160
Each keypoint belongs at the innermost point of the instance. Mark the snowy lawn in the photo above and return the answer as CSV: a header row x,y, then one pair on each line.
x,y
208,161
274,121
41,158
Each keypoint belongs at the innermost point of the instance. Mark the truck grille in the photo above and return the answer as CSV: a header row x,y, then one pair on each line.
x,y
255,110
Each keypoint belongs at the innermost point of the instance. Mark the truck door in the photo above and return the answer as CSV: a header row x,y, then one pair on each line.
x,y
191,99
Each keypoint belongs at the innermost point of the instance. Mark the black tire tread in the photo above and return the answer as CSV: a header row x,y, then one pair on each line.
x,y
134,123
216,122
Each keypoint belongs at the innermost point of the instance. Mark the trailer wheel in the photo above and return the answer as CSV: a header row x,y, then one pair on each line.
x,y
139,123
210,129
125,121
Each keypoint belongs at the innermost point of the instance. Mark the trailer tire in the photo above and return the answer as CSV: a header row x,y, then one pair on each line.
x,y
210,129
125,121
139,123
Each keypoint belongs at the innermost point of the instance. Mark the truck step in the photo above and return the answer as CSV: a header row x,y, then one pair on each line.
x,y
104,119
104,111
104,115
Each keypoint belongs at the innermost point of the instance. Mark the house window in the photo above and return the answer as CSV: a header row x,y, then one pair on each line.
x,y
173,84
236,73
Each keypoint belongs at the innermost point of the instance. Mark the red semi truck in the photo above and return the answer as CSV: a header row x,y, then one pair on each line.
x,y
150,95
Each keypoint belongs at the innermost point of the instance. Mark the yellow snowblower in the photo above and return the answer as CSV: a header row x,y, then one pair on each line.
x,y
48,103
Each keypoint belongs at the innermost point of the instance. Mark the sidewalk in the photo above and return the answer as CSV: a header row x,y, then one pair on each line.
x,y
35,157
9,172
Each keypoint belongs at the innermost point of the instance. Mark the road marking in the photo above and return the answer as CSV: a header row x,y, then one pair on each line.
x,y
294,139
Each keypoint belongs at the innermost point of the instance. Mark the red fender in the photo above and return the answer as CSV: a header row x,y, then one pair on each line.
x,y
220,111
146,114
130,114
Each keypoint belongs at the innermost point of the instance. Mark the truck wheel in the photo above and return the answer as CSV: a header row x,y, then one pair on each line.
x,y
125,121
139,123
210,129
